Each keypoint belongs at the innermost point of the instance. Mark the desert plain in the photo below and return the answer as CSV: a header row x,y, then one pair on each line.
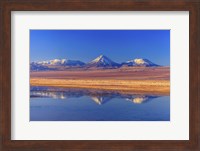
x,y
140,80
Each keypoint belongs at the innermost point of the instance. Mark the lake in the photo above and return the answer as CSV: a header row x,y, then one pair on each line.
x,y
63,104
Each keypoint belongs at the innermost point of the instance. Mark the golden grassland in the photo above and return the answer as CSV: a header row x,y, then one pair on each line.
x,y
140,86
133,80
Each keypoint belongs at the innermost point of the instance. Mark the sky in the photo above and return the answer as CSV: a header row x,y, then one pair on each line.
x,y
86,45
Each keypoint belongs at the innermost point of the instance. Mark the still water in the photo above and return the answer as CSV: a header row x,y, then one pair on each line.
x,y
60,104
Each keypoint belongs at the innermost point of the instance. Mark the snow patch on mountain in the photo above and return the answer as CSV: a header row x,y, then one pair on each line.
x,y
62,62
99,62
102,61
139,62
38,67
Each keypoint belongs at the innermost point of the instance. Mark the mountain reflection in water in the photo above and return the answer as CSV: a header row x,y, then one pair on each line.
x,y
98,96
64,104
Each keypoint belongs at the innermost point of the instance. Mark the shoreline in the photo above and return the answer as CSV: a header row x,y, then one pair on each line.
x,y
127,86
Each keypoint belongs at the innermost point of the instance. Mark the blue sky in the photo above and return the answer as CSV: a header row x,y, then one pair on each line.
x,y
85,45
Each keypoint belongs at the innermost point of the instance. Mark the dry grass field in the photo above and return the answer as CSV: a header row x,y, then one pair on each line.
x,y
129,79
125,73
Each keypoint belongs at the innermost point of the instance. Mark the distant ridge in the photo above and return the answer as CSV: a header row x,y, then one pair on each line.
x,y
38,67
101,62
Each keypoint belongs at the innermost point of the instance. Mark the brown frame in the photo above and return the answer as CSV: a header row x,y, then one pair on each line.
x,y
193,6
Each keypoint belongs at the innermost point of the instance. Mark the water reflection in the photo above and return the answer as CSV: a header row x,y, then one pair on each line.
x,y
98,96
61,104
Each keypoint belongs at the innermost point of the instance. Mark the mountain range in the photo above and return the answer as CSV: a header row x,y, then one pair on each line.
x,y
99,62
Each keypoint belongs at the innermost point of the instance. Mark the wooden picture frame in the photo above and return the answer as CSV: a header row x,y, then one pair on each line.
x,y
193,6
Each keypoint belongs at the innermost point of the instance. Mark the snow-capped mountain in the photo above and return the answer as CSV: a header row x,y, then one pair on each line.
x,y
139,62
38,67
62,62
54,64
102,61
